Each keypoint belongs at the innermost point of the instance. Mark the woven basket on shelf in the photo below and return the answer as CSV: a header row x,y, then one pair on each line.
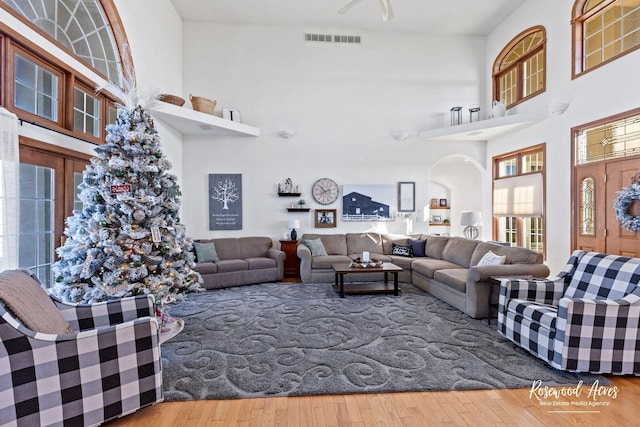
x,y
172,99
202,104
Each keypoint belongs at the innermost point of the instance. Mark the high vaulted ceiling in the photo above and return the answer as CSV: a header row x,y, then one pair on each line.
x,y
449,17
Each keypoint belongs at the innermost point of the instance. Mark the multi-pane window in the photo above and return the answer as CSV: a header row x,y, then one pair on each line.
x,y
86,112
36,89
518,202
519,70
608,140
36,220
604,30
79,25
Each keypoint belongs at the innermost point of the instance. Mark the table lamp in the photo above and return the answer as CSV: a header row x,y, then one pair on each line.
x,y
470,220
293,224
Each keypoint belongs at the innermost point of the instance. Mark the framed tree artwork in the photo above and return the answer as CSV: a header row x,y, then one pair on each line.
x,y
225,201
325,218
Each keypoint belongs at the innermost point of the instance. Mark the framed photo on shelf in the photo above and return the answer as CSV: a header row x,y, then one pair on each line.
x,y
443,203
436,219
434,203
325,218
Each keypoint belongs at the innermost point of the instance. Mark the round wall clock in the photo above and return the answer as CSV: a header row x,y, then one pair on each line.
x,y
325,191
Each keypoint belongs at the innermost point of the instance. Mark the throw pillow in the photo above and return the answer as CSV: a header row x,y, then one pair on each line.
x,y
418,247
316,247
492,259
401,250
28,300
206,252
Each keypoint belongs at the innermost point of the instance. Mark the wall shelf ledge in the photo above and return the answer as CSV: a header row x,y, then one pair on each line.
x,y
191,122
483,130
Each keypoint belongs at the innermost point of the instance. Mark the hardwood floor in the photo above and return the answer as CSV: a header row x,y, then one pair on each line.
x,y
455,408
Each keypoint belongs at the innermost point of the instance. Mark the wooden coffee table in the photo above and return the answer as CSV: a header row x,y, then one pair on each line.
x,y
366,288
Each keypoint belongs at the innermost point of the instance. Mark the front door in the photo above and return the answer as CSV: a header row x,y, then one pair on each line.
x,y
595,226
619,240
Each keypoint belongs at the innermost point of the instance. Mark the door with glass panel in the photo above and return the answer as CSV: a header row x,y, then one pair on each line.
x,y
48,194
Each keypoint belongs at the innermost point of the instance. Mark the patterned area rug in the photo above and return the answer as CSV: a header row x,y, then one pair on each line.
x,y
292,339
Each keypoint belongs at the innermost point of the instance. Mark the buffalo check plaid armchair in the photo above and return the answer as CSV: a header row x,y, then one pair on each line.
x,y
74,364
585,320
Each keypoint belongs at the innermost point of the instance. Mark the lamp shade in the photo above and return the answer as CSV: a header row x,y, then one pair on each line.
x,y
293,223
468,218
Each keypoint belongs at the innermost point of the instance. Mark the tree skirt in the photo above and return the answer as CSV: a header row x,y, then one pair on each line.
x,y
292,339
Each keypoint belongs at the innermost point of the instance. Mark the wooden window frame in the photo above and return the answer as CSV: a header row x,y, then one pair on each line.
x,y
498,72
68,80
518,155
578,18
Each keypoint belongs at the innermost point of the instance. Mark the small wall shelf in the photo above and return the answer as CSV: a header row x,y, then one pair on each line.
x,y
289,194
191,122
298,209
438,224
482,130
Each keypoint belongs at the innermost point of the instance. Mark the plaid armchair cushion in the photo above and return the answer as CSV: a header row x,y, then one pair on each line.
x,y
593,326
84,378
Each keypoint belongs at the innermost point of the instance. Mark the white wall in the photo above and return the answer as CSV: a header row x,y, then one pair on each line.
x,y
156,48
343,101
609,90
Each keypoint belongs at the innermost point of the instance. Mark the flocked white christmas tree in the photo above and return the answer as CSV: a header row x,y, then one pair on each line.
x,y
127,240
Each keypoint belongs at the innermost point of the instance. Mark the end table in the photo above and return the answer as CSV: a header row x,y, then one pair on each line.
x,y
291,263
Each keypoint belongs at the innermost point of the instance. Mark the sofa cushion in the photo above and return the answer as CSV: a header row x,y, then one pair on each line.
x,y
459,250
326,261
402,250
206,267
205,252
428,266
229,265
401,261
418,247
455,278
334,244
227,248
254,247
361,242
315,246
480,250
491,259
435,245
261,262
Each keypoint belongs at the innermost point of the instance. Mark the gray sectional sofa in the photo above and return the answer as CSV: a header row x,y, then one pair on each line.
x,y
239,261
448,270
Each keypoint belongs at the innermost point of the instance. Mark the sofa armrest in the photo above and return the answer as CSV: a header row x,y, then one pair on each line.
x,y
306,259
279,256
482,273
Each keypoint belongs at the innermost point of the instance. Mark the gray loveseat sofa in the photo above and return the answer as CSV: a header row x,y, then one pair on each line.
x,y
448,270
240,261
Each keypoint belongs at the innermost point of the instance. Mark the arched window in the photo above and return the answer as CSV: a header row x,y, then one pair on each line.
x,y
90,29
603,30
519,70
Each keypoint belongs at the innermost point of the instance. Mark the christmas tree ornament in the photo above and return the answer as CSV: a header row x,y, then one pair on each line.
x,y
139,215
103,223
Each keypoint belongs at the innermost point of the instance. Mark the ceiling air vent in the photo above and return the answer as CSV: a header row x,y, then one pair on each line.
x,y
327,38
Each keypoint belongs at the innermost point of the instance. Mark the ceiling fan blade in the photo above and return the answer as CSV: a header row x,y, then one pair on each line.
x,y
348,6
387,10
